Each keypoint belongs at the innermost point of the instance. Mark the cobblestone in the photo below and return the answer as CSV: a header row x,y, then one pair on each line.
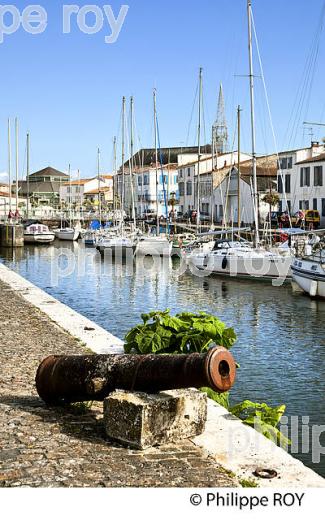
x,y
66,447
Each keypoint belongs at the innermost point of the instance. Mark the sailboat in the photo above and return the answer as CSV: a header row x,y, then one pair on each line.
x,y
68,233
119,245
235,258
308,266
158,245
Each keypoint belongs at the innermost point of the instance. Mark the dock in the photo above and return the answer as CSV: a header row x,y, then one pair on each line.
x,y
55,447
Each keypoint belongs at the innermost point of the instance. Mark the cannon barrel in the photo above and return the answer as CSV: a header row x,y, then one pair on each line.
x,y
68,379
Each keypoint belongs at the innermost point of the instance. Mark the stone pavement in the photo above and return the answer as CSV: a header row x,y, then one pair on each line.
x,y
52,447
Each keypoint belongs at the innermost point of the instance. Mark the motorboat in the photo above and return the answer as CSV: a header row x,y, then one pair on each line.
x,y
38,234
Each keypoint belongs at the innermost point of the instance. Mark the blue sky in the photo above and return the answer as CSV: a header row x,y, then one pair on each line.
x,y
67,89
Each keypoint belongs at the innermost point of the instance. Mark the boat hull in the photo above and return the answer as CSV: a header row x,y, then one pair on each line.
x,y
41,238
310,277
70,235
154,247
243,266
116,251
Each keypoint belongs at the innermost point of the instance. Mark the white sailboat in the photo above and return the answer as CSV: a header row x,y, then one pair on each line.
x,y
308,267
154,246
68,233
158,245
234,258
118,245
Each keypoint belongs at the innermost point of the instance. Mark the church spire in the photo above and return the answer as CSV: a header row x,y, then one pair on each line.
x,y
219,128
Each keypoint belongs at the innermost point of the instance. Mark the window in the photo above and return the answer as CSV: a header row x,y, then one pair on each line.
x,y
318,176
288,183
189,188
304,177
280,184
189,172
323,207
205,208
221,211
289,205
146,180
304,204
140,180
180,174
181,189
175,179
315,204
283,163
280,206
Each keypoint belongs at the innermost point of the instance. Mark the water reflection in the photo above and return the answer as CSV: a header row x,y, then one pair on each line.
x,y
281,336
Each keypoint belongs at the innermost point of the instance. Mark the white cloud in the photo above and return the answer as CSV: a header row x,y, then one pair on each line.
x,y
3,177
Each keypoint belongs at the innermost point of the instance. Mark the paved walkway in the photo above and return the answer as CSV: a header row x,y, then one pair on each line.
x,y
50,447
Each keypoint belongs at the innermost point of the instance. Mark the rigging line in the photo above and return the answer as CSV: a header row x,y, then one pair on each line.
x,y
300,95
270,116
320,30
192,113
313,72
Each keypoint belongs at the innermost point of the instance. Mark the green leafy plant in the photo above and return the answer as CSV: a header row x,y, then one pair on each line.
x,y
186,332
263,418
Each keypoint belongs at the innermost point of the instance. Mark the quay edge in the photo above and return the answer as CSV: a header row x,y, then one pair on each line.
x,y
236,447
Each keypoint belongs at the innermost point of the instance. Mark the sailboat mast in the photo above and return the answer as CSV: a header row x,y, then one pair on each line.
x,y
115,179
251,85
17,161
79,192
9,165
199,151
123,159
98,182
28,172
156,156
70,194
132,158
238,167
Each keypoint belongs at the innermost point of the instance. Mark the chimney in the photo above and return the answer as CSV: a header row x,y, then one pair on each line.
x,y
314,148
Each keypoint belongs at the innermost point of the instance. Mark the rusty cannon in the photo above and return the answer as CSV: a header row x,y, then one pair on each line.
x,y
68,379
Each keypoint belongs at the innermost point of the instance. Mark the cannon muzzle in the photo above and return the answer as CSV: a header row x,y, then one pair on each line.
x,y
68,379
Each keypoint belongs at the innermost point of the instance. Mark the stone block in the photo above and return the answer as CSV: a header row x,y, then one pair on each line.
x,y
143,420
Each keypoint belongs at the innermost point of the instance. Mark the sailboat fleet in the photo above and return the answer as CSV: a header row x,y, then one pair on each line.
x,y
224,252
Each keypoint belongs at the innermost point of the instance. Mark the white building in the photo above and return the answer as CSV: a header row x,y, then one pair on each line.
x,y
145,190
6,204
187,179
78,191
225,194
301,183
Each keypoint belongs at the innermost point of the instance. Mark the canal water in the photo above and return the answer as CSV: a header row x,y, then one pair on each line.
x,y
281,335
